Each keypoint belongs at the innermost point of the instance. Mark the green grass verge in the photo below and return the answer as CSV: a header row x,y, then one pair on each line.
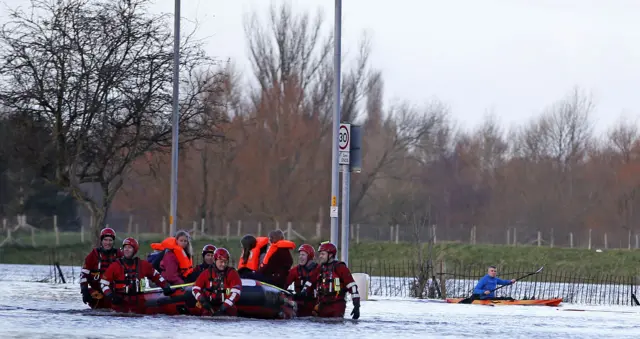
x,y
374,257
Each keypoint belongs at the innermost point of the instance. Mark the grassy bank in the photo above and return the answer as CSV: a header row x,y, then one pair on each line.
x,y
373,257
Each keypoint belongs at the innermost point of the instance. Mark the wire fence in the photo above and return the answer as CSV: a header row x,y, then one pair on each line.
x,y
414,280
30,231
409,280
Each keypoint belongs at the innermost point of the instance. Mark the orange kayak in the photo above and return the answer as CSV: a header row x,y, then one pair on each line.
x,y
540,302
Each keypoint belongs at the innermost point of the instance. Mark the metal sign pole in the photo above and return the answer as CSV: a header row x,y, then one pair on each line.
x,y
173,214
344,145
346,182
333,211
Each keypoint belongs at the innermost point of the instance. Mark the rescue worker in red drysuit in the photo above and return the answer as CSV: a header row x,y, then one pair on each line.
x,y
219,287
95,264
333,280
207,261
275,266
121,282
300,276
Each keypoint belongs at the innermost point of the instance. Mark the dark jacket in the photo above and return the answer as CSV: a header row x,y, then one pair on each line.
x,y
276,264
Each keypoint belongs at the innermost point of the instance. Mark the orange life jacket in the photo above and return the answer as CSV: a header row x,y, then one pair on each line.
x,y
274,247
184,261
253,263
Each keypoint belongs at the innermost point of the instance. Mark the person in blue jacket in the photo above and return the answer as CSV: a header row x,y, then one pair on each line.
x,y
486,285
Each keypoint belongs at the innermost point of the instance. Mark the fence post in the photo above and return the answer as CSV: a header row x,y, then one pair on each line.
x,y
606,244
636,241
358,234
228,230
318,230
137,231
433,230
539,238
239,231
289,230
397,233
391,233
194,231
33,237
589,239
508,236
629,239
164,225
202,227
515,234
82,234
571,239
442,280
551,240
259,228
351,232
4,224
130,226
55,229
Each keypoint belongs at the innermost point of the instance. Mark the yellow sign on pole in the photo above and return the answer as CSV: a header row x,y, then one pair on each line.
x,y
334,201
171,220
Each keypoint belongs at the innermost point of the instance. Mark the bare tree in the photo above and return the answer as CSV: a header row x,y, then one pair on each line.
x,y
492,145
406,136
623,137
291,56
218,177
622,141
289,47
296,47
569,129
100,73
416,214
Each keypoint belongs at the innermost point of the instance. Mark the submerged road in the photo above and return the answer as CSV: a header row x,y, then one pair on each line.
x,y
31,309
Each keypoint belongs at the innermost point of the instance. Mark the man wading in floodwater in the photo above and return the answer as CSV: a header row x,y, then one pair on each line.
x,y
486,285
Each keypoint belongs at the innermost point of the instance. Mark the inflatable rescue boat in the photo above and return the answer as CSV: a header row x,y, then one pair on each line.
x,y
258,300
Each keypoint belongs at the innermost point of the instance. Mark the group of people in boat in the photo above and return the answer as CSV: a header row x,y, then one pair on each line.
x,y
112,277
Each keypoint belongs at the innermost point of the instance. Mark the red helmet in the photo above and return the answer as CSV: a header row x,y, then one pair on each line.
x,y
131,242
221,253
208,248
308,249
328,247
108,232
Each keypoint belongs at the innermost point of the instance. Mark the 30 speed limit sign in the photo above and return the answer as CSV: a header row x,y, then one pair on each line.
x,y
344,144
344,137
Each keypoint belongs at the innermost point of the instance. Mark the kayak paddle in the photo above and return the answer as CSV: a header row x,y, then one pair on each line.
x,y
473,297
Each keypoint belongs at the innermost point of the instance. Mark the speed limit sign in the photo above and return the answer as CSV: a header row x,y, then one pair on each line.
x,y
344,137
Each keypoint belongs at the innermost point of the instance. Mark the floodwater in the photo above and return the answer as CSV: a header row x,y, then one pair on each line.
x,y
33,309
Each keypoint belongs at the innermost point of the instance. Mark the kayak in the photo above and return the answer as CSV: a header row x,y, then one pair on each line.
x,y
540,302
258,300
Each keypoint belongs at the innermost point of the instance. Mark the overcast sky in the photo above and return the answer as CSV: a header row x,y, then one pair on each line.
x,y
509,57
